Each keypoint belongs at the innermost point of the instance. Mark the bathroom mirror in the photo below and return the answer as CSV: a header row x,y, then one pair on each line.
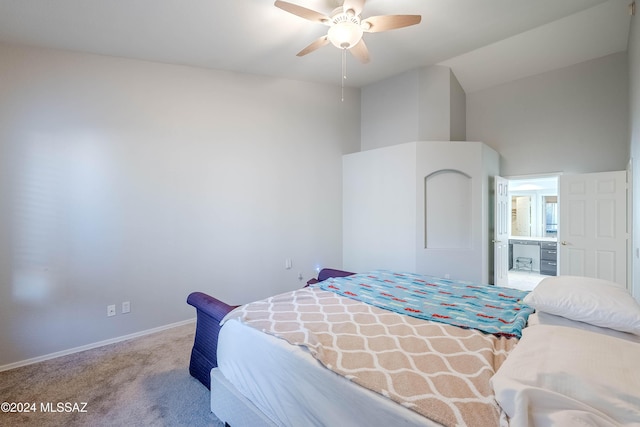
x,y
534,207
521,218
550,216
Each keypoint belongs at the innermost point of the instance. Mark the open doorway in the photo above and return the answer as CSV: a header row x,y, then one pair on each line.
x,y
533,230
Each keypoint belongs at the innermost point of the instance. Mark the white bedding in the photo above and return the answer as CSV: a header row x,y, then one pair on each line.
x,y
566,376
305,392
541,318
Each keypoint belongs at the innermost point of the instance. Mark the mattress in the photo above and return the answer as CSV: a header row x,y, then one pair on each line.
x,y
305,392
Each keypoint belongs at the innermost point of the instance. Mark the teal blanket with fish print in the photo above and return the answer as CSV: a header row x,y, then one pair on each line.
x,y
490,309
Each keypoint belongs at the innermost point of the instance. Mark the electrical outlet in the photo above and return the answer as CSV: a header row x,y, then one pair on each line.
x,y
126,307
111,310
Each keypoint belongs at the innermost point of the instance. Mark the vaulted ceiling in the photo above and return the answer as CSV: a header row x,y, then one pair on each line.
x,y
485,42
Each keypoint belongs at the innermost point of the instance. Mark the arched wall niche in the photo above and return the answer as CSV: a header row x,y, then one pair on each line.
x,y
448,210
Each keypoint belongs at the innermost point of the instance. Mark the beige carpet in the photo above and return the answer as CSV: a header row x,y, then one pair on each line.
x,y
139,382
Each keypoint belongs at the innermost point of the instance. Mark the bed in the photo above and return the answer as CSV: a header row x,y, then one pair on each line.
x,y
318,356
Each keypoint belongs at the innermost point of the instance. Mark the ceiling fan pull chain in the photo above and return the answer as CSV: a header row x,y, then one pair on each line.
x,y
344,70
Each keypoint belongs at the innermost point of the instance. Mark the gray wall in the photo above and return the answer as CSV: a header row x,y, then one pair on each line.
x,y
125,180
572,120
458,109
390,113
426,104
434,104
634,114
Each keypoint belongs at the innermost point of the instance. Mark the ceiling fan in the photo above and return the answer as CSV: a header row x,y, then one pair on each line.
x,y
346,26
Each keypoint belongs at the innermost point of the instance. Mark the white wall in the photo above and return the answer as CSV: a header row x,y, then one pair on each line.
x,y
480,163
125,180
379,209
384,209
634,114
572,120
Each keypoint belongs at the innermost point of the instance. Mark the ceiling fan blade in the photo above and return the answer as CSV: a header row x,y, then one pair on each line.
x,y
390,22
355,5
302,12
360,51
322,41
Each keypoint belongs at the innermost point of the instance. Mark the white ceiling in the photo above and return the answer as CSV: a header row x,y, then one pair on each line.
x,y
485,42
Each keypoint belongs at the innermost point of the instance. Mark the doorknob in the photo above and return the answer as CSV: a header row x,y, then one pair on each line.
x,y
497,241
564,243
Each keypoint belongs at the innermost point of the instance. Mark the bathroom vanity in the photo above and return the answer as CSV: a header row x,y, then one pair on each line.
x,y
534,254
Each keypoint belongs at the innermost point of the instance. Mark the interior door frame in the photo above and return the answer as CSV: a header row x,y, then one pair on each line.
x,y
532,177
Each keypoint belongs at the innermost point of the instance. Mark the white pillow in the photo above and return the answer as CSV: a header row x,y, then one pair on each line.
x,y
584,299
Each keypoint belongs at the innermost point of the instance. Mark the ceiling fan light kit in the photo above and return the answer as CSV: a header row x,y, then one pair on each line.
x,y
346,30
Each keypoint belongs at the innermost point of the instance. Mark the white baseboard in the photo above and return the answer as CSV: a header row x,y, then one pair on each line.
x,y
93,345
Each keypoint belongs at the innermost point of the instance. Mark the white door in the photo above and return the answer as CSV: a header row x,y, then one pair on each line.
x,y
593,226
501,232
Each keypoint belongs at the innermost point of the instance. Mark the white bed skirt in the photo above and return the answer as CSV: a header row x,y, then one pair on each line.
x,y
232,407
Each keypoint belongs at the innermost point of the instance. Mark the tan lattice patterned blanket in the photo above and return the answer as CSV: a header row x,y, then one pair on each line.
x,y
438,370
